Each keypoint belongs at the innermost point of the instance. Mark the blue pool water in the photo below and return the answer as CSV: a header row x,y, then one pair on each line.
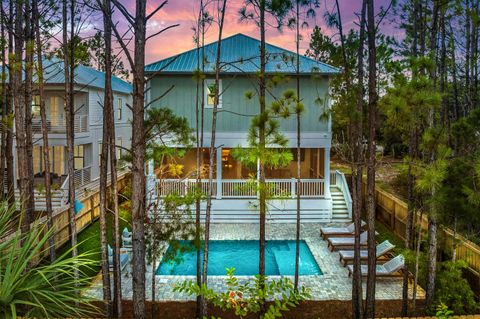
x,y
243,256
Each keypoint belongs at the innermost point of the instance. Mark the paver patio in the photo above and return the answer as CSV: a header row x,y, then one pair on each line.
x,y
333,284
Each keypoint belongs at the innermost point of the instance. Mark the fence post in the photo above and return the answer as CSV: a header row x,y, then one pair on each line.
x,y
293,188
394,212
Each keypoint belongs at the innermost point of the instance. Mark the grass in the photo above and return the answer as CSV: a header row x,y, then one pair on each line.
x,y
89,239
384,233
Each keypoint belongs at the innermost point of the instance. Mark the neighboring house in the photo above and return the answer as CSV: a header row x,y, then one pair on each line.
x,y
235,201
88,119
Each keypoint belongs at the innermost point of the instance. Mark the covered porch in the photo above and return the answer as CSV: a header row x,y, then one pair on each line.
x,y
232,180
58,164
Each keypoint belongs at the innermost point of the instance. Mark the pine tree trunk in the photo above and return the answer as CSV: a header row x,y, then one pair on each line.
x,y
213,153
431,259
299,163
4,129
69,68
10,98
410,178
43,115
138,161
262,144
417,264
456,109
107,109
357,159
371,161
20,132
199,161
110,141
117,274
432,218
29,51
410,218
467,57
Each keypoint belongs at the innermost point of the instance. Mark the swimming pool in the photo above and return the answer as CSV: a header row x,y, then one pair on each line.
x,y
243,255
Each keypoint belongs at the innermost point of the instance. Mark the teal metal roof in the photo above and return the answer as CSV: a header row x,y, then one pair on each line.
x,y
240,54
53,73
84,76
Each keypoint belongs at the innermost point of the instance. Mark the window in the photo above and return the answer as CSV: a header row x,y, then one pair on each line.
x,y
210,91
119,148
56,111
36,105
119,109
99,152
78,157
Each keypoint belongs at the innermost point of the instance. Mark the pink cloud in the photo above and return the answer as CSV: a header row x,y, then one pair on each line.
x,y
185,12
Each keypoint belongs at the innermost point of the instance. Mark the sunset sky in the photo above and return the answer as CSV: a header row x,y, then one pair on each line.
x,y
184,12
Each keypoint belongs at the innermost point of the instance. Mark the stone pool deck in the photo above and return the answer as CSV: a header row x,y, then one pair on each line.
x,y
334,284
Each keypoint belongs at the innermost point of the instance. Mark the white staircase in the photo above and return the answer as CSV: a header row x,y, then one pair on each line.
x,y
339,206
40,201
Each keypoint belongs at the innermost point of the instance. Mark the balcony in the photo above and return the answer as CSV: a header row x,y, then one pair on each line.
x,y
57,124
83,176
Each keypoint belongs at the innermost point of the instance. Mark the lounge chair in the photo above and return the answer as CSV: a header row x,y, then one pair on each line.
x,y
389,269
123,259
338,231
381,250
126,238
335,243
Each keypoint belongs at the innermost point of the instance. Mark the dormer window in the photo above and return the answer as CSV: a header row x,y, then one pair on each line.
x,y
210,91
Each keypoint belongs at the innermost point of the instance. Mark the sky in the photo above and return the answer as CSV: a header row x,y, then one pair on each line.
x,y
184,13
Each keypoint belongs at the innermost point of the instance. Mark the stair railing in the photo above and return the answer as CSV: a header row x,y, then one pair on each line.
x,y
341,183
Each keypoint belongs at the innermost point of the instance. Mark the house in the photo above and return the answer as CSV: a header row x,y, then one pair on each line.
x,y
88,127
324,195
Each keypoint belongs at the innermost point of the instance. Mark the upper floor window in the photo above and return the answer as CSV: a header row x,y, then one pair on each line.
x,y
119,109
36,105
210,91
79,156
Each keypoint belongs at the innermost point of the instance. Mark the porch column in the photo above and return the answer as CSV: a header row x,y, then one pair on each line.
x,y
326,171
219,173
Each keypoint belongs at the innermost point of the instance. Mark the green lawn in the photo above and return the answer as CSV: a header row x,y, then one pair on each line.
x,y
385,233
89,239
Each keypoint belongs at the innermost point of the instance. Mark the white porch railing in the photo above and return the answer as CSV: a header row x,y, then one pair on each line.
x,y
338,179
182,187
240,188
57,124
83,176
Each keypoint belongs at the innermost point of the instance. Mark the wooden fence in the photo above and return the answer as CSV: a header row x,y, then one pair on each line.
x,y
89,213
90,199
392,212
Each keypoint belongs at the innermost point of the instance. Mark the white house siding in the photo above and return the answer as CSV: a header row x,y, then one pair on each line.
x,y
90,102
123,128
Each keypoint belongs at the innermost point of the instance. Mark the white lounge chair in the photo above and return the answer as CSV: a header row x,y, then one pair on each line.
x,y
335,243
126,238
390,269
381,250
339,231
